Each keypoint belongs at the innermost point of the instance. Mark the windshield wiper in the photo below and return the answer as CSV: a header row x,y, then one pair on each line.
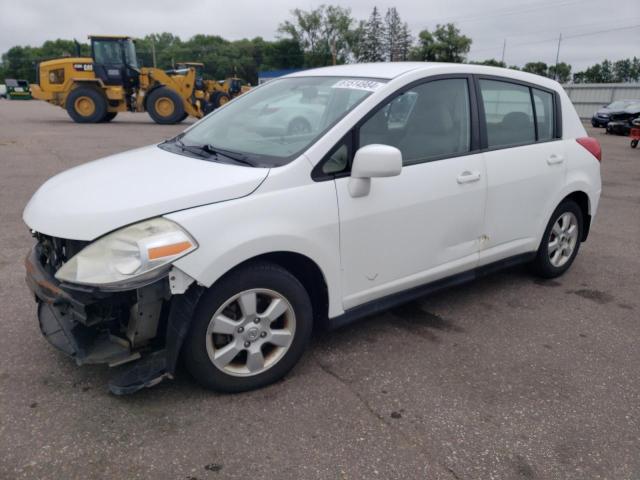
x,y
235,156
207,150
196,150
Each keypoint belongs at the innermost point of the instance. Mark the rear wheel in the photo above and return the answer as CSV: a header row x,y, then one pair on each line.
x,y
86,105
165,106
249,329
634,143
561,241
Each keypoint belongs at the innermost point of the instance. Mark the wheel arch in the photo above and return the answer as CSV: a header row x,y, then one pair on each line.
x,y
307,271
582,199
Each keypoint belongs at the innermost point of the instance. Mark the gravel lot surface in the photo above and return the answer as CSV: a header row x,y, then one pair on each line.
x,y
507,377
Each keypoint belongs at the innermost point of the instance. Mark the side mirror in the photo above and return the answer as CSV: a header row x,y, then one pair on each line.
x,y
373,161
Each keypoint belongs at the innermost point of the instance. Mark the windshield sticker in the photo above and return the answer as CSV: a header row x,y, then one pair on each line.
x,y
368,85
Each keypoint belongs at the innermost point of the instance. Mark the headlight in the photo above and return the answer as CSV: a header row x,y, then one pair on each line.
x,y
131,256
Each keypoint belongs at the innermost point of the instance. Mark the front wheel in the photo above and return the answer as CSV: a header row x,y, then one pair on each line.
x,y
634,143
249,329
165,106
560,242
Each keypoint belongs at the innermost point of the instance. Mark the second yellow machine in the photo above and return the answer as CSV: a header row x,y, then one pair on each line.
x,y
94,89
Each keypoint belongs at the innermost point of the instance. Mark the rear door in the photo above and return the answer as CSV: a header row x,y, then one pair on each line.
x,y
525,161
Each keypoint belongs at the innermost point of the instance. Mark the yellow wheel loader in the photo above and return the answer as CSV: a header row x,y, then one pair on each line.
x,y
94,89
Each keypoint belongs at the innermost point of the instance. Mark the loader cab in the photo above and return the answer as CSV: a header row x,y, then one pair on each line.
x,y
115,61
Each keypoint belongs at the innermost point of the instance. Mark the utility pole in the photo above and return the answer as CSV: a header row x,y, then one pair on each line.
x,y
504,47
153,52
555,76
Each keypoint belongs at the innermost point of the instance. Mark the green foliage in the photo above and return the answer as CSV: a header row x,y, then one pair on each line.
x,y
492,62
625,70
20,62
444,44
563,73
322,36
538,68
372,42
325,34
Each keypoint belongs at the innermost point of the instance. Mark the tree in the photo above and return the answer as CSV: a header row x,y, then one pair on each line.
x,y
445,44
372,48
336,26
538,68
492,62
563,73
405,40
392,31
323,33
622,70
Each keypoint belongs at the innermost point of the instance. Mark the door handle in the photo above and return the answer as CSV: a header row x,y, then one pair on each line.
x,y
468,177
554,159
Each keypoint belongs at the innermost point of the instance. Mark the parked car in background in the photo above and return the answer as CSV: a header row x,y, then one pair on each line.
x,y
227,244
602,116
17,89
620,121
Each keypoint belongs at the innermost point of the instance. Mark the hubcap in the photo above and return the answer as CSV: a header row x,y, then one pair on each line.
x,y
84,106
250,332
164,106
563,239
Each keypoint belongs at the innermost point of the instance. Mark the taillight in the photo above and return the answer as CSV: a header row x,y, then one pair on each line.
x,y
592,145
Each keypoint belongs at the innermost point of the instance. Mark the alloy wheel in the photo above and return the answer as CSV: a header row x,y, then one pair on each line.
x,y
250,332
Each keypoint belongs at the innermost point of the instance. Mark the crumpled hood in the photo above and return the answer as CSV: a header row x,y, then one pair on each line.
x,y
90,200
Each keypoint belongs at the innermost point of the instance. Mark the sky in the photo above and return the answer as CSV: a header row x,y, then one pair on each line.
x,y
592,30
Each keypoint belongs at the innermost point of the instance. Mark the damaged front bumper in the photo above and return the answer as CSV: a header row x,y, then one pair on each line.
x,y
143,328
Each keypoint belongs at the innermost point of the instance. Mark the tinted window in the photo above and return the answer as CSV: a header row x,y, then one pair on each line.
x,y
426,122
508,113
543,102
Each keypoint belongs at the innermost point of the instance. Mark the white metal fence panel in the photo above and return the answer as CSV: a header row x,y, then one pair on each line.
x,y
589,97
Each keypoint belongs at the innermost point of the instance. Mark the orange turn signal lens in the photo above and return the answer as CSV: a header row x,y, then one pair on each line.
x,y
168,250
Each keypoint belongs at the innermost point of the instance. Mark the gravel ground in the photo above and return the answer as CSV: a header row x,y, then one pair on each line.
x,y
507,377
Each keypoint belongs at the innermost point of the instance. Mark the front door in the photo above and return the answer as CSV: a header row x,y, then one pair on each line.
x,y
424,224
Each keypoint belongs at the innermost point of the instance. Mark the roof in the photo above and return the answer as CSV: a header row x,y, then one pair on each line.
x,y
371,70
390,70
120,37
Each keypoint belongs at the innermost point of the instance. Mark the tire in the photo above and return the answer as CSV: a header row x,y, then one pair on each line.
x,y
86,105
218,99
109,116
634,143
550,262
242,336
298,126
165,106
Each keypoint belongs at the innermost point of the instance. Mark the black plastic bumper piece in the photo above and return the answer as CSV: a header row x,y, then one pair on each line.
x,y
63,318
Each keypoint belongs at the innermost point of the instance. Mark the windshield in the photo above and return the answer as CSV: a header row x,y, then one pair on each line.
x,y
619,104
278,121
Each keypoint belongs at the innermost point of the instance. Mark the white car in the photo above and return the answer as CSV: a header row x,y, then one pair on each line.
x,y
227,247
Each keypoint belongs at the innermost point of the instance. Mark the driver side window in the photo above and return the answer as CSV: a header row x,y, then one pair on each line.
x,y
428,122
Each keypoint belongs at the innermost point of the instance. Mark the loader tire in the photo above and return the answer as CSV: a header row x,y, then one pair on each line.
x,y
165,106
218,99
86,105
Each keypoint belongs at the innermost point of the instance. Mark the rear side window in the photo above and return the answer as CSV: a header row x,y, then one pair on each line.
x,y
508,113
543,101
